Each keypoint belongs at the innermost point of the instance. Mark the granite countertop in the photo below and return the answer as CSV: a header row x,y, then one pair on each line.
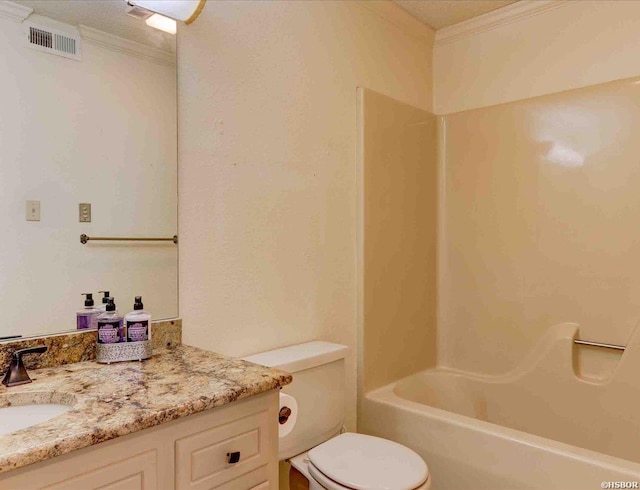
x,y
113,400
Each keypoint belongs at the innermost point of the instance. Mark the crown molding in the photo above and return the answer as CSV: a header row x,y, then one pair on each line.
x,y
125,46
514,12
14,11
397,16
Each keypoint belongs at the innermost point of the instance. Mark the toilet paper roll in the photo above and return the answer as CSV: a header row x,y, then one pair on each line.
x,y
288,414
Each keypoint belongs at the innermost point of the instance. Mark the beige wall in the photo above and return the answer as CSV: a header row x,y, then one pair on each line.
x,y
578,44
540,224
267,178
399,199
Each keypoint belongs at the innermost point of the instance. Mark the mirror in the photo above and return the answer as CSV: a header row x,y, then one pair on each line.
x,y
87,115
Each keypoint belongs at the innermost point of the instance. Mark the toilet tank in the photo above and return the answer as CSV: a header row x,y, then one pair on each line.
x,y
318,386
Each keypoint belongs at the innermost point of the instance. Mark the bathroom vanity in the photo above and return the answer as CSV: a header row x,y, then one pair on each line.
x,y
185,419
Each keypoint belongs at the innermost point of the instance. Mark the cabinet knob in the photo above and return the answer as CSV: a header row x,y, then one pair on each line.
x,y
233,458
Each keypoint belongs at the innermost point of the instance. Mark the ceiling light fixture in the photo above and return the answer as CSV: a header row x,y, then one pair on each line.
x,y
184,10
163,23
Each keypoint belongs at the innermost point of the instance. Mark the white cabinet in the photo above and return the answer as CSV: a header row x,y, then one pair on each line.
x,y
193,453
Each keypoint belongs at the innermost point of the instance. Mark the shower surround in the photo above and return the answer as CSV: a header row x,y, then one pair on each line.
x,y
537,246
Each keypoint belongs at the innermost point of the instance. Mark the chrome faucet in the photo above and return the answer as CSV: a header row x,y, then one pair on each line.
x,y
16,372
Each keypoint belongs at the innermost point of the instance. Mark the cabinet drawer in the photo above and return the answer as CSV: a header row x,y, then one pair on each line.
x,y
248,481
202,458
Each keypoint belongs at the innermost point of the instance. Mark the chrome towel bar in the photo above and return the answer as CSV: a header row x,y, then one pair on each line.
x,y
599,344
84,239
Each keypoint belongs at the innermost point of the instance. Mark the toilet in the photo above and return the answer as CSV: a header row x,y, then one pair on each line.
x,y
316,445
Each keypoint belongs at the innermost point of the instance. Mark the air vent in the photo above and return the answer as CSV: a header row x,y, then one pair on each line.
x,y
40,37
54,42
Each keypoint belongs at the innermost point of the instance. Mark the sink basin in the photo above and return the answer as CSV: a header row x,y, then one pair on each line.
x,y
20,417
19,410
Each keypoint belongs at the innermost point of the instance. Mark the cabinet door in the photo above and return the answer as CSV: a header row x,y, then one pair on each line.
x,y
133,473
135,462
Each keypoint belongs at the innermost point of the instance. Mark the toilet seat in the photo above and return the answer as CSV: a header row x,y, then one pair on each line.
x,y
328,484
360,462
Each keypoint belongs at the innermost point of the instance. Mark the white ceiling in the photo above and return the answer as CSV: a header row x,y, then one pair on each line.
x,y
443,13
106,15
110,16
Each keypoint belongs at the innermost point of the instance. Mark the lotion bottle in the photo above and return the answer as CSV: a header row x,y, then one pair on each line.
x,y
87,319
137,323
110,325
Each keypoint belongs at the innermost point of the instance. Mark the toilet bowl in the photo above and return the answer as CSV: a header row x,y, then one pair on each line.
x,y
360,462
314,444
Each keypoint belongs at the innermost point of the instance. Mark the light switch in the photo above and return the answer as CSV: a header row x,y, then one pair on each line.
x,y
85,212
33,210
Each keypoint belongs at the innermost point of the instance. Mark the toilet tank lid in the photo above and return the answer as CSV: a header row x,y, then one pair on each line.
x,y
301,356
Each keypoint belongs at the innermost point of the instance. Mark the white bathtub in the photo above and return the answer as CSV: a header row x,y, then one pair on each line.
x,y
538,427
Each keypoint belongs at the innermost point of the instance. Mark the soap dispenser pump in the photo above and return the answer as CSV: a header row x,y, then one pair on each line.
x,y
105,299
